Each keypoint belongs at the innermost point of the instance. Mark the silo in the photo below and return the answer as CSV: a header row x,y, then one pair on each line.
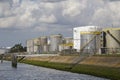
x,y
30,46
90,40
112,40
44,44
43,40
37,43
55,40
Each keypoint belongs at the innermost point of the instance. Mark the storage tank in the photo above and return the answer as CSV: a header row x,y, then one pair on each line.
x,y
44,44
37,42
86,39
44,40
55,40
112,39
30,46
90,41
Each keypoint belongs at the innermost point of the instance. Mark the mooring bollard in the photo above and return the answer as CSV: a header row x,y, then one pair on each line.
x,y
14,60
1,56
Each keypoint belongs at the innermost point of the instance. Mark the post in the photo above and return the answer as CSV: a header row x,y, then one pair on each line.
x,y
14,60
1,56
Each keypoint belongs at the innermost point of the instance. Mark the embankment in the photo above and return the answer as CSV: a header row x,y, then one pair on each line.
x,y
110,61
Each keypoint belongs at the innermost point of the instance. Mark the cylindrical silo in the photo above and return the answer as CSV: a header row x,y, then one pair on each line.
x,y
30,46
44,44
90,42
113,40
37,45
44,40
55,40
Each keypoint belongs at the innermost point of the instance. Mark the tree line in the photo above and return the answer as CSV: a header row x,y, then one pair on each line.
x,y
17,48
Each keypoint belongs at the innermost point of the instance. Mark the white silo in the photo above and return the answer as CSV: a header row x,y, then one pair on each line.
x,y
55,40
86,39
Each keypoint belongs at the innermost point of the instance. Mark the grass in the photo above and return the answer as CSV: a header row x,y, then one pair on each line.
x,y
100,71
107,55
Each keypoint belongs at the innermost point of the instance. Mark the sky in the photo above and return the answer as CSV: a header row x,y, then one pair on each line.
x,y
21,20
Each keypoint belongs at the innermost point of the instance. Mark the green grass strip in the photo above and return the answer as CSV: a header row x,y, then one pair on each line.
x,y
100,71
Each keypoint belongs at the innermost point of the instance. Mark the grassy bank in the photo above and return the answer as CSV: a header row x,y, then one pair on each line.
x,y
100,71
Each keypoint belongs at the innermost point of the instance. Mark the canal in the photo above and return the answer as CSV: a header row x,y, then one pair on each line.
x,y
29,72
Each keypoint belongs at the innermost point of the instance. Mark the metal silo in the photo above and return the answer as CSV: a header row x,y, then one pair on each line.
x,y
30,46
112,40
55,40
44,40
44,44
37,45
90,40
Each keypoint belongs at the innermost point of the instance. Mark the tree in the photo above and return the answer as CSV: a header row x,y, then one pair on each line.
x,y
18,48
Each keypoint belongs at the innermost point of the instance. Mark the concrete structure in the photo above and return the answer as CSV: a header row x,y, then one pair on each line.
x,y
55,40
86,39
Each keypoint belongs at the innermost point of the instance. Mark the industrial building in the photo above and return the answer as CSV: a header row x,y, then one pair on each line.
x,y
4,50
86,39
51,44
93,39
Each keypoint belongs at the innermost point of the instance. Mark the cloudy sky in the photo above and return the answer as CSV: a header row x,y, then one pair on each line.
x,y
25,19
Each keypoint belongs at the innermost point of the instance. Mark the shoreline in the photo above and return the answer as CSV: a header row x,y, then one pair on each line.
x,y
98,71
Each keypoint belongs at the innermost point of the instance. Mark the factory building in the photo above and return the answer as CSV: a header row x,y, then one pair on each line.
x,y
4,50
86,39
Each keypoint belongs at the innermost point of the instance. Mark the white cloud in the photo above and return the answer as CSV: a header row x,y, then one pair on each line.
x,y
108,15
5,9
22,14
40,29
73,7
7,22
47,19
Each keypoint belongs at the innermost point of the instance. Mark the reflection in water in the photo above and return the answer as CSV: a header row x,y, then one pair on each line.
x,y
29,72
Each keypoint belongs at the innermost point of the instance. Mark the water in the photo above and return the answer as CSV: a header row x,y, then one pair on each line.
x,y
29,72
